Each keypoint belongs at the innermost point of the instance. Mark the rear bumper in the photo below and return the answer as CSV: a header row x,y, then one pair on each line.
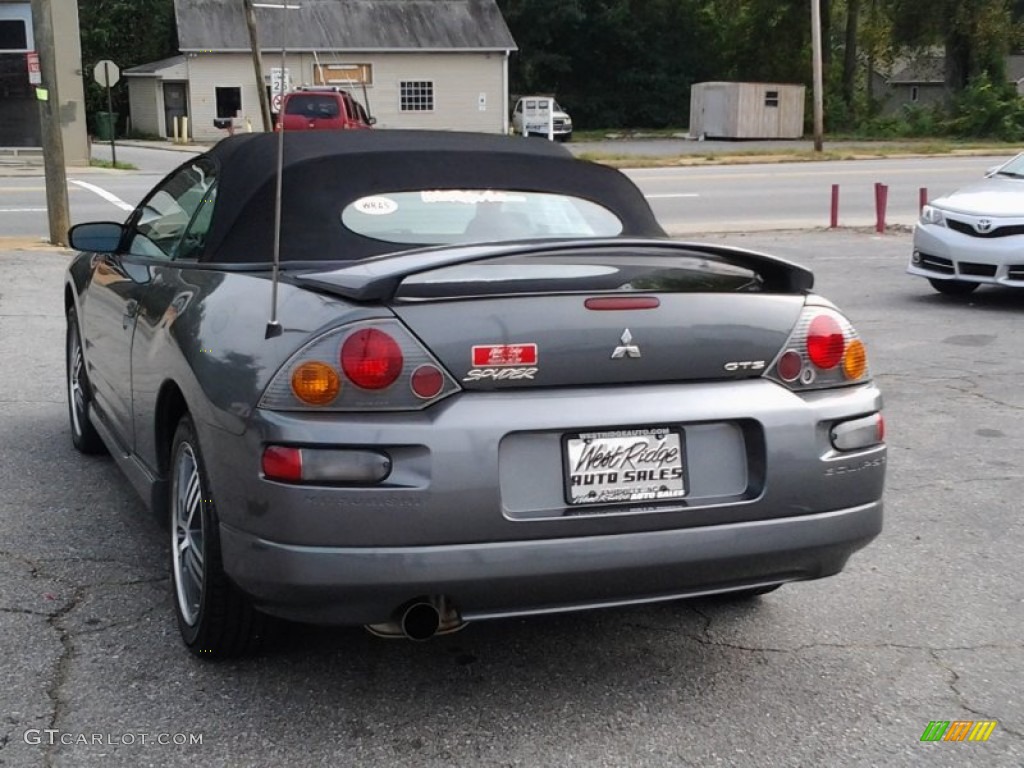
x,y
364,585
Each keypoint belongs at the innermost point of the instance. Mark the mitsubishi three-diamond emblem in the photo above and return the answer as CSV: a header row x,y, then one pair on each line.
x,y
627,348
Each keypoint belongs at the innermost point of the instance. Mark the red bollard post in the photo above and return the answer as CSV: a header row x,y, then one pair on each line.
x,y
922,198
834,221
881,199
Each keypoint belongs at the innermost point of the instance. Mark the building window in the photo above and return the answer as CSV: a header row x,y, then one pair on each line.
x,y
13,35
416,96
914,93
229,102
771,98
343,74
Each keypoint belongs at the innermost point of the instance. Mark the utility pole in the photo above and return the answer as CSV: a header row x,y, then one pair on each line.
x,y
57,208
819,119
257,64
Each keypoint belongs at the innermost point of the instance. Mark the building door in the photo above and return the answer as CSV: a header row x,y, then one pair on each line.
x,y
175,104
715,123
19,110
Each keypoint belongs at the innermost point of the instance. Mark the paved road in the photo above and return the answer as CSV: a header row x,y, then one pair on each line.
x,y
686,200
925,624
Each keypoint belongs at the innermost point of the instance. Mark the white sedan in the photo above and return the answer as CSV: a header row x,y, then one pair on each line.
x,y
974,236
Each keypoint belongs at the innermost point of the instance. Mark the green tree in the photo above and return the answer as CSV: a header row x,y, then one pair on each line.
x,y
130,32
977,35
613,63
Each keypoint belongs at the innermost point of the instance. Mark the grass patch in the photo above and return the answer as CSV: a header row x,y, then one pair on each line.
x,y
108,164
775,155
612,134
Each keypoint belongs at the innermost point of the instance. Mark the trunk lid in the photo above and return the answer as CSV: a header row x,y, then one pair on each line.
x,y
530,341
602,317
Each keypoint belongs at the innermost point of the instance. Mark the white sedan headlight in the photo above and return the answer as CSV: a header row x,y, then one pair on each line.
x,y
932,215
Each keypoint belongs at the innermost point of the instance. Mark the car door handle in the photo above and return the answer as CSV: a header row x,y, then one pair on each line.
x,y
131,309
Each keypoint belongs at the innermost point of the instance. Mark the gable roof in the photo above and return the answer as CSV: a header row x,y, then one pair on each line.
x,y
347,25
923,70
156,67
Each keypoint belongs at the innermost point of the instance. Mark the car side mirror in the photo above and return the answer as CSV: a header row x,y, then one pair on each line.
x,y
96,237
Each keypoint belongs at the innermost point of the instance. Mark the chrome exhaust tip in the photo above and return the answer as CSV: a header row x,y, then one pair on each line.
x,y
420,619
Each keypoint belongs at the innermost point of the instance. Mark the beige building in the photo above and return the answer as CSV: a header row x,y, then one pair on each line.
x,y
19,110
414,64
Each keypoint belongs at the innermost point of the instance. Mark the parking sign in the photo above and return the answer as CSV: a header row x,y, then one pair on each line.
x,y
35,75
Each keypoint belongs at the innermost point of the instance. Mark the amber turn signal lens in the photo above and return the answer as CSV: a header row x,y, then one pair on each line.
x,y
316,383
855,360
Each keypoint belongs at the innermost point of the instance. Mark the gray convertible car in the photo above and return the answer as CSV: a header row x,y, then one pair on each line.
x,y
482,383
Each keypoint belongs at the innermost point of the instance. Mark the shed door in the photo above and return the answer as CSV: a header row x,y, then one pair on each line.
x,y
175,104
716,112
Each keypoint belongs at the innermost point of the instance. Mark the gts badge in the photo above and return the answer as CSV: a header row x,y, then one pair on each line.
x,y
744,365
500,374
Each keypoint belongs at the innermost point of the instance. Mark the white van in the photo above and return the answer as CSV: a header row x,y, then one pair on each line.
x,y
530,118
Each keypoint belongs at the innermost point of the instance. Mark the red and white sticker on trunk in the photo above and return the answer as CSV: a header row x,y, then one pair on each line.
x,y
499,355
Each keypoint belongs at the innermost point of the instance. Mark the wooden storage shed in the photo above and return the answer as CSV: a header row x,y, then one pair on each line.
x,y
746,111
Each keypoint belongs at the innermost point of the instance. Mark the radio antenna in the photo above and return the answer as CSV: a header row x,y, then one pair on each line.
x,y
273,326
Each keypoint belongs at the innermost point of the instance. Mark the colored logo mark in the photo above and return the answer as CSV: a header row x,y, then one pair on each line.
x,y
958,730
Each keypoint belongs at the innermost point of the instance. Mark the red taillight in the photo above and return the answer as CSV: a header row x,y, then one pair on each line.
x,y
281,463
881,427
790,365
371,359
427,381
825,342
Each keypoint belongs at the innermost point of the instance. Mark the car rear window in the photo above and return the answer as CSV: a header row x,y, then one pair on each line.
x,y
449,216
310,105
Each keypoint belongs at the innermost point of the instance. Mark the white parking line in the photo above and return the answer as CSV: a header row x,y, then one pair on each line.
x,y
22,210
110,197
672,194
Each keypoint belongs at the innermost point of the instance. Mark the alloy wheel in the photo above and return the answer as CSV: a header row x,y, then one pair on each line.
x,y
76,392
188,535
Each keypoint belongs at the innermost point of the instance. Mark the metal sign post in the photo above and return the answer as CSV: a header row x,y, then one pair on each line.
x,y
107,73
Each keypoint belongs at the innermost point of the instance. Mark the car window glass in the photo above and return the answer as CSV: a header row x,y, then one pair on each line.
x,y
519,107
192,244
163,218
438,217
312,105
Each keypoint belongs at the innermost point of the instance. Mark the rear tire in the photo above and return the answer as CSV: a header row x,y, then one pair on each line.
x,y
84,436
953,287
216,619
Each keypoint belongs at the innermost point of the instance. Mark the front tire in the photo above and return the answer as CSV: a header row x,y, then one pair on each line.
x,y
84,436
953,287
215,618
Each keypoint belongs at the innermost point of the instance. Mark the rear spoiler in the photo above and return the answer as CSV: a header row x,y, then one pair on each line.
x,y
378,278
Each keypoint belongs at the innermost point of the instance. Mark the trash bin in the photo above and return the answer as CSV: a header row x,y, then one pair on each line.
x,y
106,125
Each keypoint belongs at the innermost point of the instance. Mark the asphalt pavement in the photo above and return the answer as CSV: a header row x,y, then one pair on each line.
x,y
925,624
687,200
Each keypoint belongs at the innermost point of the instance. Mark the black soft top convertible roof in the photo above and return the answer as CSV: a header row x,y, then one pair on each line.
x,y
326,170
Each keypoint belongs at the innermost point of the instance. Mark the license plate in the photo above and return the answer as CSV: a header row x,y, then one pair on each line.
x,y
624,466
